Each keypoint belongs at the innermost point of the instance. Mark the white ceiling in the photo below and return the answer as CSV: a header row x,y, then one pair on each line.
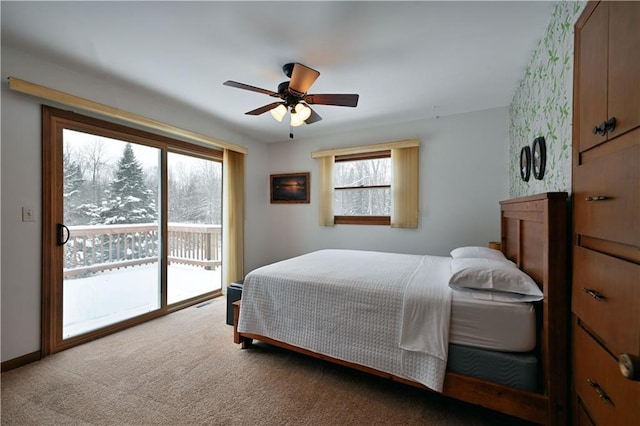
x,y
406,60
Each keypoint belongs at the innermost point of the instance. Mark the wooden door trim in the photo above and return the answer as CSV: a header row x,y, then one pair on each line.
x,y
49,206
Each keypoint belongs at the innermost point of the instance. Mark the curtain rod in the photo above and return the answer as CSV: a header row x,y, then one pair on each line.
x,y
366,148
43,92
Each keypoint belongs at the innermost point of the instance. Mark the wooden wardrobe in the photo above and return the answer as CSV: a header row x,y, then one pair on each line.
x,y
606,215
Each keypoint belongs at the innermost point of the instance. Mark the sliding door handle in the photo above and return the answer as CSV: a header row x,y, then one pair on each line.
x,y
60,234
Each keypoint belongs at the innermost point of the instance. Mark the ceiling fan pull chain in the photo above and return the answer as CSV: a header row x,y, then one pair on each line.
x,y
290,132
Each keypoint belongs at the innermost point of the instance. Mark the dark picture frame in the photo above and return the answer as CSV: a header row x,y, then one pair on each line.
x,y
525,163
290,187
539,156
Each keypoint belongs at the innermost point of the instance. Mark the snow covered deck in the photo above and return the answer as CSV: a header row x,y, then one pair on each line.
x,y
108,297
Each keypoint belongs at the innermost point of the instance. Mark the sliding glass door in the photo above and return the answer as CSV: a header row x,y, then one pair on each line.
x,y
131,227
111,258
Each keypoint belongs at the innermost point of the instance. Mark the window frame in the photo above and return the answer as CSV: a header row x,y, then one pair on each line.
x,y
405,184
384,220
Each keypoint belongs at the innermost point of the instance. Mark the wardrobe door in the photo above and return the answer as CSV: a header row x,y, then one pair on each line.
x,y
591,77
624,66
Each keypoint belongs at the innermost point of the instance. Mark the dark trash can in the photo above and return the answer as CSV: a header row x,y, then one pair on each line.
x,y
234,293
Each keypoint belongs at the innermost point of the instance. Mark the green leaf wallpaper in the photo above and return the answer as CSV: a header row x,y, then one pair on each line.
x,y
542,105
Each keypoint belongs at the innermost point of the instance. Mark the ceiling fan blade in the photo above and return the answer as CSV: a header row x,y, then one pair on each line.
x,y
302,77
251,88
313,117
264,109
347,100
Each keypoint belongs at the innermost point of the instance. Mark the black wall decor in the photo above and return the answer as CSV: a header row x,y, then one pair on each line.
x,y
525,163
539,157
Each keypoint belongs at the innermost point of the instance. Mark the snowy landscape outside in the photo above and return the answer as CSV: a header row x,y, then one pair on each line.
x,y
111,198
109,297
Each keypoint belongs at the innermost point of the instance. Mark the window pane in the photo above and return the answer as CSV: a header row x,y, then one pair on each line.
x,y
195,230
110,203
362,202
362,173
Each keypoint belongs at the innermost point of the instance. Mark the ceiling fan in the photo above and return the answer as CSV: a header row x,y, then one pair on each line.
x,y
293,96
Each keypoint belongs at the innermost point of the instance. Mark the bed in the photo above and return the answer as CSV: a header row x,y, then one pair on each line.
x,y
376,312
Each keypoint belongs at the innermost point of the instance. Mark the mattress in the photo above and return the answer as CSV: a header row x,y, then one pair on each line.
x,y
486,324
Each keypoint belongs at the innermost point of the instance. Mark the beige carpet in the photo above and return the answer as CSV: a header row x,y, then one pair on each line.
x,y
183,369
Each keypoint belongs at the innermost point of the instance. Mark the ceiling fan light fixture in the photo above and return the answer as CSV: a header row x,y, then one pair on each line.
x,y
299,114
279,112
303,111
296,119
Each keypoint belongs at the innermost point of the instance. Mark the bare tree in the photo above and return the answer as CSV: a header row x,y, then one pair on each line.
x,y
96,167
195,192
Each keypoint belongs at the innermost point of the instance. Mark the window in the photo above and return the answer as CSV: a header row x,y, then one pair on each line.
x,y
370,185
362,188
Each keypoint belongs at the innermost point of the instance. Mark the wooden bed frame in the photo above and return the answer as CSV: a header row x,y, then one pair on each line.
x,y
534,236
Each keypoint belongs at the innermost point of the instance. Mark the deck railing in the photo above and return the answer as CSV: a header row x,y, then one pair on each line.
x,y
96,248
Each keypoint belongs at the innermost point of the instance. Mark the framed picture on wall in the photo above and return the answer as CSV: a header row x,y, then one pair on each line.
x,y
539,154
525,163
290,188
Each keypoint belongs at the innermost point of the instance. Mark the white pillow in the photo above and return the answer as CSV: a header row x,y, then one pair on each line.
x,y
493,279
474,251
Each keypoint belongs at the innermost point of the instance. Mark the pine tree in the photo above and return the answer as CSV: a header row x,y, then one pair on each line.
x,y
77,211
129,201
128,198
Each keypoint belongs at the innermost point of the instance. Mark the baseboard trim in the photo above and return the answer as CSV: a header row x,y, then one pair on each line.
x,y
21,360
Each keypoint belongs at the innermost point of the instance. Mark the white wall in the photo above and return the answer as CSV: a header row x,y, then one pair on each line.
x,y
463,176
463,161
21,181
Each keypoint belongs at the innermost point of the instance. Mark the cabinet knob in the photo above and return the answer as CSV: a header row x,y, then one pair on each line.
x,y
596,198
610,125
605,127
599,297
600,129
630,366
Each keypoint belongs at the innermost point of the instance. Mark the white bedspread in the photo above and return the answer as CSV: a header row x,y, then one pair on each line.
x,y
357,306
427,309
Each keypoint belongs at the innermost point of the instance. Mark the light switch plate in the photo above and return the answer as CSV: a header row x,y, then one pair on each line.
x,y
28,215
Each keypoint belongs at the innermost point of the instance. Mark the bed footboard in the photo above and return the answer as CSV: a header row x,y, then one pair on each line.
x,y
526,405
244,342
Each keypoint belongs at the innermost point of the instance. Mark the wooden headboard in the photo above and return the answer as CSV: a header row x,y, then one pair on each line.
x,y
535,237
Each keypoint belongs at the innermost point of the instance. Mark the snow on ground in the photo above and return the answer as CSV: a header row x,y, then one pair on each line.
x,y
112,296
